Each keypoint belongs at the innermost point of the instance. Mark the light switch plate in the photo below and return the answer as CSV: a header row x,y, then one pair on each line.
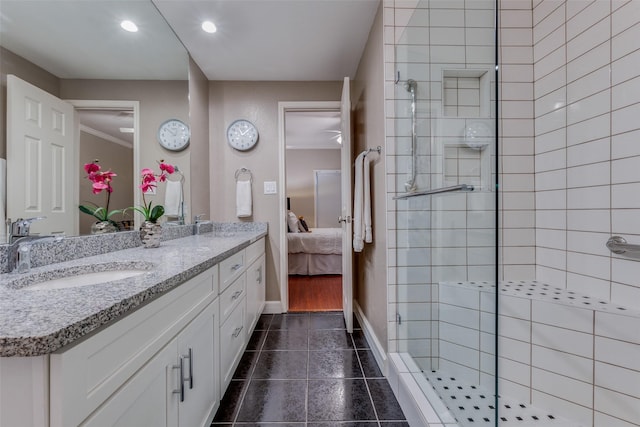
x,y
270,187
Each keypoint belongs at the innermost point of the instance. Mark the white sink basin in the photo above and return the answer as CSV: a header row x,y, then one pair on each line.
x,y
85,279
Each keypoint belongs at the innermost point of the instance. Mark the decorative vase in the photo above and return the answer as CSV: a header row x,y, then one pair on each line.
x,y
150,234
103,227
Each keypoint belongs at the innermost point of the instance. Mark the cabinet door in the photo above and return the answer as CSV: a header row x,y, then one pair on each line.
x,y
232,343
198,347
147,399
255,293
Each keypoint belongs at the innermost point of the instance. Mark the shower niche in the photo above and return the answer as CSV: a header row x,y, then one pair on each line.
x,y
463,134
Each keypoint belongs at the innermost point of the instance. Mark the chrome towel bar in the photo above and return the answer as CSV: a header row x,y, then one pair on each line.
x,y
618,245
461,187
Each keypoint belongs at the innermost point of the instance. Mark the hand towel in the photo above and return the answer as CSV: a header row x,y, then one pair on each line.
x,y
173,198
358,226
368,158
243,199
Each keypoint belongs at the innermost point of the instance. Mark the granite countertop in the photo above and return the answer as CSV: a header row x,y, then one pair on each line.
x,y
38,322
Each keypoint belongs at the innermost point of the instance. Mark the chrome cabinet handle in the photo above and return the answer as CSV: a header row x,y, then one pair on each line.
x,y
236,267
190,357
237,332
236,294
180,367
259,278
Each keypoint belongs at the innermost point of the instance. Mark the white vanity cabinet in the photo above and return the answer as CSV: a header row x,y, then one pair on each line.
x,y
165,364
241,303
133,366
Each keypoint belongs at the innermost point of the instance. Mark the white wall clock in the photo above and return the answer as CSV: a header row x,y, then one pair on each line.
x,y
242,135
174,135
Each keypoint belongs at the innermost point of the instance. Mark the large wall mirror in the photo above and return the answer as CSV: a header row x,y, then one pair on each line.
x,y
122,86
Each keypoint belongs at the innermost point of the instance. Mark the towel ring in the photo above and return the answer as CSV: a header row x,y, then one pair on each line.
x,y
244,171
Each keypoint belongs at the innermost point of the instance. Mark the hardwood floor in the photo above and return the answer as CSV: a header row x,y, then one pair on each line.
x,y
315,293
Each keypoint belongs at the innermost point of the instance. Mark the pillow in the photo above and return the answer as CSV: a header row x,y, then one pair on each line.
x,y
293,223
304,228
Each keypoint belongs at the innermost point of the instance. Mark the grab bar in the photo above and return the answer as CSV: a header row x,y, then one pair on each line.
x,y
618,245
461,187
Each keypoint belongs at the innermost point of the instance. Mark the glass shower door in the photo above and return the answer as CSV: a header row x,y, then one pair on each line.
x,y
446,233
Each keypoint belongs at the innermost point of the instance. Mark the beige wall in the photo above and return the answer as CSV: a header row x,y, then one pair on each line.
x,y
11,63
300,178
199,122
159,101
369,132
257,102
112,156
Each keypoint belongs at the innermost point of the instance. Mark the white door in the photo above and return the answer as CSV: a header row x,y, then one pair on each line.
x,y
41,159
347,200
327,197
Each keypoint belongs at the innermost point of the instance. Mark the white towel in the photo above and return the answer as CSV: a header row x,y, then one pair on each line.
x,y
358,225
368,158
173,198
243,199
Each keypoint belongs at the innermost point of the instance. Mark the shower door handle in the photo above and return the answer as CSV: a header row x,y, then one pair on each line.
x,y
346,219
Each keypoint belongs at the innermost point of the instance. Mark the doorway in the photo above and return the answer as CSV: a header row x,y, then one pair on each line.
x,y
312,139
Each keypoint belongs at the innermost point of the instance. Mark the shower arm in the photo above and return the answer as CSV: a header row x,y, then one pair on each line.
x,y
410,186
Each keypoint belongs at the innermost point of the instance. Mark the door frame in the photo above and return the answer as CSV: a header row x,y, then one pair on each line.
x,y
283,108
116,104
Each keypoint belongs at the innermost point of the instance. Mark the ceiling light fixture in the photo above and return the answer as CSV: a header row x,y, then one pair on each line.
x,y
209,27
129,26
126,130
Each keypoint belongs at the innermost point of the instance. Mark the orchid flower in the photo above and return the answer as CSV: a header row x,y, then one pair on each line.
x,y
148,182
101,182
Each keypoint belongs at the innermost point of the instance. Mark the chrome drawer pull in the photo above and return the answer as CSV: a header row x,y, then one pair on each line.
x,y
190,357
259,278
236,267
180,367
237,332
236,294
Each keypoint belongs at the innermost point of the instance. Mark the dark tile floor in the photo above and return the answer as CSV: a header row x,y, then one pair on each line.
x,y
304,369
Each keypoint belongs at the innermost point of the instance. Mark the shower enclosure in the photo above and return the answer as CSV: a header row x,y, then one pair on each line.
x,y
446,200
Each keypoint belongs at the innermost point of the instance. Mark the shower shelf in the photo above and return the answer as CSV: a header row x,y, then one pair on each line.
x,y
532,289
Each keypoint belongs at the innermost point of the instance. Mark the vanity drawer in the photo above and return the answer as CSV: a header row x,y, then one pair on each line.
x,y
232,296
232,343
254,251
231,268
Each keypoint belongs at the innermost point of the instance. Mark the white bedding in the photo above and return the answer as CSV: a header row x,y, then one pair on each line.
x,y
326,241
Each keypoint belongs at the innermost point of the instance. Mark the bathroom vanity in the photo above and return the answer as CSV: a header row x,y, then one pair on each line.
x,y
157,348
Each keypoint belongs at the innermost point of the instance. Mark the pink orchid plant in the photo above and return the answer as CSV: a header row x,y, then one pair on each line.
x,y
149,181
101,182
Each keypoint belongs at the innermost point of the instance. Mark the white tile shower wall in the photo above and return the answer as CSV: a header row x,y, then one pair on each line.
x,y
517,219
422,40
587,100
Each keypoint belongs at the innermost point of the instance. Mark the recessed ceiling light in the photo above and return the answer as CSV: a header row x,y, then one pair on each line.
x,y
209,27
129,26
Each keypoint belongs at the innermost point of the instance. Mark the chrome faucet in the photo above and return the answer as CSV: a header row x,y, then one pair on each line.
x,y
20,242
197,222
20,227
20,251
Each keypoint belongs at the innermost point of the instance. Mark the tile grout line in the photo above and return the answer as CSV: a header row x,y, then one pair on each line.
x,y
364,378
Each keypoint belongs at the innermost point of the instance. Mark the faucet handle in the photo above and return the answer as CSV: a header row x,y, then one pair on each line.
x,y
21,226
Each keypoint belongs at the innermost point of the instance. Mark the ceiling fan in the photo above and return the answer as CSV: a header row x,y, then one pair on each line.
x,y
337,137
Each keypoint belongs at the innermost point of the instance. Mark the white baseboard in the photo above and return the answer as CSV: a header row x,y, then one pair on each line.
x,y
272,307
376,348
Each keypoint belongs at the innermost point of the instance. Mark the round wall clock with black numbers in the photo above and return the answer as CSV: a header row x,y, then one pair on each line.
x,y
174,135
242,135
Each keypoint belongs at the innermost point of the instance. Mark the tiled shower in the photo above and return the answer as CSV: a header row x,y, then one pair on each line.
x,y
562,142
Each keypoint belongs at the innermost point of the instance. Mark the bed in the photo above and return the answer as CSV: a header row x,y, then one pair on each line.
x,y
315,253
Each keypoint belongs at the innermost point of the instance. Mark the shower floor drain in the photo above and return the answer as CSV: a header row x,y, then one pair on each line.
x,y
474,406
